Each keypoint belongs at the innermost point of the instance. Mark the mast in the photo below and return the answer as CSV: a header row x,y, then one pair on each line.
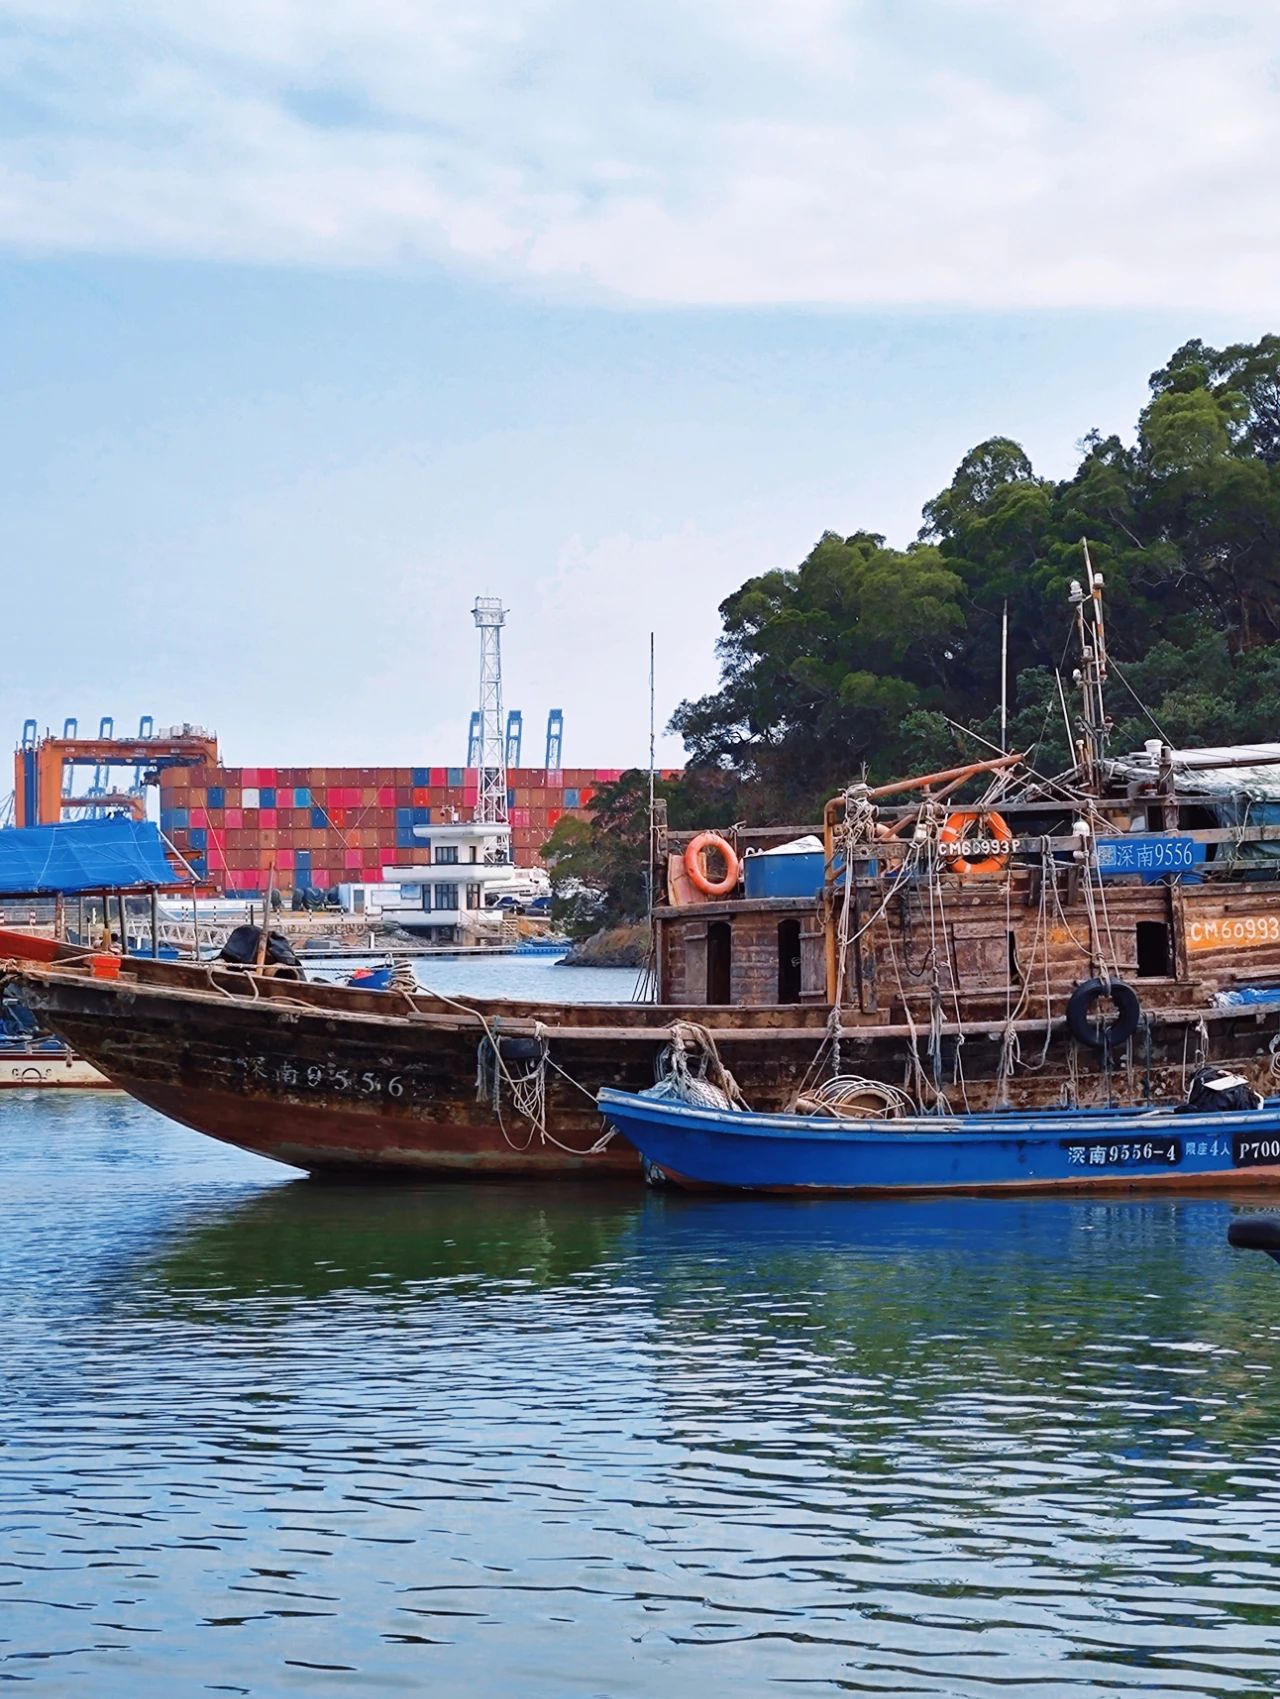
x,y
652,765
1091,675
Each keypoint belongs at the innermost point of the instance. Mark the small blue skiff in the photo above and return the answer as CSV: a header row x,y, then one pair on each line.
x,y
1054,1149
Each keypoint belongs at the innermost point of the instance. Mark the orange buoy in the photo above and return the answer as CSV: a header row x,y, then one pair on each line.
x,y
975,843
697,873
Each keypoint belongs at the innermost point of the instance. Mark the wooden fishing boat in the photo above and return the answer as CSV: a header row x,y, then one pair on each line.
x,y
333,1078
960,937
1015,1151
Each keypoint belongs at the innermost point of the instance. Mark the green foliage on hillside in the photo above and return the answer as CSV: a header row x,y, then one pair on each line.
x,y
850,661
856,660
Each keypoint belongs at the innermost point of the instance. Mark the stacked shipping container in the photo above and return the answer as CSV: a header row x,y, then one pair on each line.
x,y
324,826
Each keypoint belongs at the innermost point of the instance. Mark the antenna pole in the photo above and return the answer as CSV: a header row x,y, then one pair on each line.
x,y
1091,675
652,764
1004,679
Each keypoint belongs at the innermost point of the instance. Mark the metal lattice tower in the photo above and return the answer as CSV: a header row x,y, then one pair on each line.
x,y
491,795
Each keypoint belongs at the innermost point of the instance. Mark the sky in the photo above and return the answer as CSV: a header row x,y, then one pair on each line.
x,y
319,319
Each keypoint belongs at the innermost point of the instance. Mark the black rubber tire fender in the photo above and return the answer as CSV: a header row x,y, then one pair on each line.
x,y
1115,1034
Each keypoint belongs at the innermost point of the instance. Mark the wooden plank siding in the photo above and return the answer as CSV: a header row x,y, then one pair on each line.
x,y
985,941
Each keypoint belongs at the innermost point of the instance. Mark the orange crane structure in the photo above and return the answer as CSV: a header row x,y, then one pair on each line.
x,y
41,788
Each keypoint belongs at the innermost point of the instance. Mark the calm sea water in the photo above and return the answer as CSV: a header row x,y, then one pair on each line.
x,y
528,977
265,1436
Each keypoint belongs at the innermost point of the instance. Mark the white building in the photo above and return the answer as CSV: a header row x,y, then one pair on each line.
x,y
452,897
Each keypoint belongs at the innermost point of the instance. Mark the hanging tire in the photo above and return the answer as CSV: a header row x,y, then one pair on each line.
x,y
1113,1035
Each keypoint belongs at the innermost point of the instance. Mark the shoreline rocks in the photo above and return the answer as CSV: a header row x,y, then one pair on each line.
x,y
618,946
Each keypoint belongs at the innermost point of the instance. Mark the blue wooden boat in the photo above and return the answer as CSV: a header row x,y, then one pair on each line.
x,y
1014,1151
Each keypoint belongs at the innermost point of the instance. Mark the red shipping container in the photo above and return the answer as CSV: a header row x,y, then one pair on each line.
x,y
373,875
284,797
351,858
438,775
387,796
284,860
267,818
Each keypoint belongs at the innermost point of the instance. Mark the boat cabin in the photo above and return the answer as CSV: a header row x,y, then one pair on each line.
x,y
905,897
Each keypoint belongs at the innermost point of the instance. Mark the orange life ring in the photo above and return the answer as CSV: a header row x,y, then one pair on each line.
x,y
968,853
697,875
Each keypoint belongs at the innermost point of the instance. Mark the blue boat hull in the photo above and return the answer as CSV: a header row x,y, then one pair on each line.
x,y
1086,1150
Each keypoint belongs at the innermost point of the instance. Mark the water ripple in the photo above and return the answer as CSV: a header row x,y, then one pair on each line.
x,y
266,1437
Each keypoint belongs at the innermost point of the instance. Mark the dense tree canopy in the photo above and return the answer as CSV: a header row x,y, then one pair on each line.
x,y
856,659
866,658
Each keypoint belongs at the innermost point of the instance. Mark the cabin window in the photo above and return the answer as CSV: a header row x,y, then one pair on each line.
x,y
719,962
446,855
445,897
788,961
1153,950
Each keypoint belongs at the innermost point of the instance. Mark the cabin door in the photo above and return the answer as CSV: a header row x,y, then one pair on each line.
x,y
719,962
789,961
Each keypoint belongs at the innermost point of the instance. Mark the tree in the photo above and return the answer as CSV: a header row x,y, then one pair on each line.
x,y
863,656
821,665
600,866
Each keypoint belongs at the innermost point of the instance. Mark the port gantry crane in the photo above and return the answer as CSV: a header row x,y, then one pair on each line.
x,y
43,767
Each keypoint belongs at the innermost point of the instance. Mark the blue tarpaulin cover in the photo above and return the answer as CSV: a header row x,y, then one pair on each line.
x,y
111,854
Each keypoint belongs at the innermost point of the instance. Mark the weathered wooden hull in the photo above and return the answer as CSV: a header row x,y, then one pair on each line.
x,y
331,1079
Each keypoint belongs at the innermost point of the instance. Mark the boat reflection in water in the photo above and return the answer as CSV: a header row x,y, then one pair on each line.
x,y
302,1241
546,1438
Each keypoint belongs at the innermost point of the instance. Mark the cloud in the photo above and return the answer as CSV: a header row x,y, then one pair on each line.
x,y
944,153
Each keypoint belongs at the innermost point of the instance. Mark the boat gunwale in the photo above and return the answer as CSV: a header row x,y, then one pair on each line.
x,y
643,1022
1031,1124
